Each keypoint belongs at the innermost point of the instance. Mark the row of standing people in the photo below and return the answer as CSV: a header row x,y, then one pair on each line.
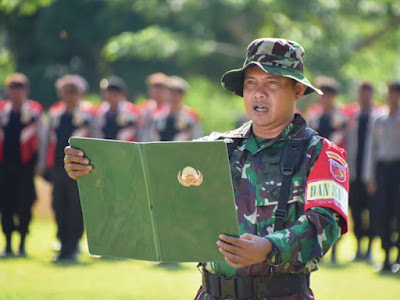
x,y
32,142
371,135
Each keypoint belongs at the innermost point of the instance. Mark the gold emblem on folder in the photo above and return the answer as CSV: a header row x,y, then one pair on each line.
x,y
190,177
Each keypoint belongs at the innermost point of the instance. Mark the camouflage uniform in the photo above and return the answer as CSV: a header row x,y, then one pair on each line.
x,y
256,177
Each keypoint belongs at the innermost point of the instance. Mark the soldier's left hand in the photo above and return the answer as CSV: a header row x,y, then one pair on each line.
x,y
247,250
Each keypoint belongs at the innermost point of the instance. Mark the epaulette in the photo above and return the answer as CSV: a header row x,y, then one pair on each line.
x,y
194,113
57,108
238,133
87,107
132,108
34,106
3,104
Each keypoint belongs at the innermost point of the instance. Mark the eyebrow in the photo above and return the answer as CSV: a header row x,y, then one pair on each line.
x,y
268,76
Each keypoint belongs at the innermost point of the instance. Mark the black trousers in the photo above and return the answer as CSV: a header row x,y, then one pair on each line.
x,y
388,201
17,195
67,209
359,202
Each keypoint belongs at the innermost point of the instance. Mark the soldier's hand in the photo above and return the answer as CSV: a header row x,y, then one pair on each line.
x,y
75,163
247,250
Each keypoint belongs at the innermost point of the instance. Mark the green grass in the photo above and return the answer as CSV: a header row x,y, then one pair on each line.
x,y
35,277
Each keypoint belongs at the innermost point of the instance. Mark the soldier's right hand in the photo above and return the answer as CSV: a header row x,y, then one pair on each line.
x,y
75,163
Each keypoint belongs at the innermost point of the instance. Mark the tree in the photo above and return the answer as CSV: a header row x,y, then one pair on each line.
x,y
349,40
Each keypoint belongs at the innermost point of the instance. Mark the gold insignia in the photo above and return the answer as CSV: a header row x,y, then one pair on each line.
x,y
190,177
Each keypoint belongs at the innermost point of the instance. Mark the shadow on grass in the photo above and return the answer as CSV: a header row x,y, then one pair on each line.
x,y
335,266
12,257
169,266
108,259
69,263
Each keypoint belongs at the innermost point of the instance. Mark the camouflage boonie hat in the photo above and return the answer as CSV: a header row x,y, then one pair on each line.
x,y
275,56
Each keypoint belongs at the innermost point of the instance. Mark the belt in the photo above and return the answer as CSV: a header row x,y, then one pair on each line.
x,y
276,285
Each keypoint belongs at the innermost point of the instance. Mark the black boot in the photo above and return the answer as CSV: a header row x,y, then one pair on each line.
x,y
386,264
333,256
395,268
7,251
21,251
68,253
368,256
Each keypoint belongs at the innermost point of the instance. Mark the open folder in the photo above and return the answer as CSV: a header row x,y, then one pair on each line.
x,y
162,201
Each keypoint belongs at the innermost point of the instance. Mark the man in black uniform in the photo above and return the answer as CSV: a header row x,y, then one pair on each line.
x,y
117,118
20,122
69,117
330,123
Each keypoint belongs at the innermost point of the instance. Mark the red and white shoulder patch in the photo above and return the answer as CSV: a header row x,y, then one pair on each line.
x,y
328,182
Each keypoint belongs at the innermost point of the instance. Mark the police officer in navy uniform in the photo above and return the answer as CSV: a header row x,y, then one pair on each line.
x,y
383,174
357,138
20,125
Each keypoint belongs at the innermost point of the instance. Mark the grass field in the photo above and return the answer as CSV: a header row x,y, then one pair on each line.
x,y
35,277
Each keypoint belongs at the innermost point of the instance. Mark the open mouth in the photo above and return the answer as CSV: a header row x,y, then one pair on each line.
x,y
261,108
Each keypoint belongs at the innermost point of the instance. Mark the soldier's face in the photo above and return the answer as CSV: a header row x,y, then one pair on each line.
x,y
365,97
17,93
114,96
70,95
269,99
393,97
327,100
158,92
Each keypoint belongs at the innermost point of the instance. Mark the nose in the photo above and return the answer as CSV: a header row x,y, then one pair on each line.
x,y
260,93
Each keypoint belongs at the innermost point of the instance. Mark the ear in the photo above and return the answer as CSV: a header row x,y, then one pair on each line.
x,y
299,90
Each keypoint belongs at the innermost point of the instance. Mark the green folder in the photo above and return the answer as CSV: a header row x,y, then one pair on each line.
x,y
162,201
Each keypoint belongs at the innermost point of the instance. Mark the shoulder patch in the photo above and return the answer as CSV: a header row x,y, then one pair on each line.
x,y
328,182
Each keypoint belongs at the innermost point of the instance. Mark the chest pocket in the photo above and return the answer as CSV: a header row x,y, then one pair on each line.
x,y
269,192
268,176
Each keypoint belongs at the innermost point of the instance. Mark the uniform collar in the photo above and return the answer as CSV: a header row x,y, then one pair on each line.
x,y
294,131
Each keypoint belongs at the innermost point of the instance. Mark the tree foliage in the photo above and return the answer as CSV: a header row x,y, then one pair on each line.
x,y
349,40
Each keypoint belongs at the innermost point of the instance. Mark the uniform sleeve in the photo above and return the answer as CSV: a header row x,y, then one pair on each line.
x,y
304,244
369,160
44,137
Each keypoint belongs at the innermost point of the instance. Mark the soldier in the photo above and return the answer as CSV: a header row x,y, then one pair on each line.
x,y
274,159
158,94
116,118
20,125
383,173
357,138
71,116
180,122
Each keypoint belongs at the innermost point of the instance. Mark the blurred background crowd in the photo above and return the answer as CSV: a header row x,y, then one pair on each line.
x,y
70,51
